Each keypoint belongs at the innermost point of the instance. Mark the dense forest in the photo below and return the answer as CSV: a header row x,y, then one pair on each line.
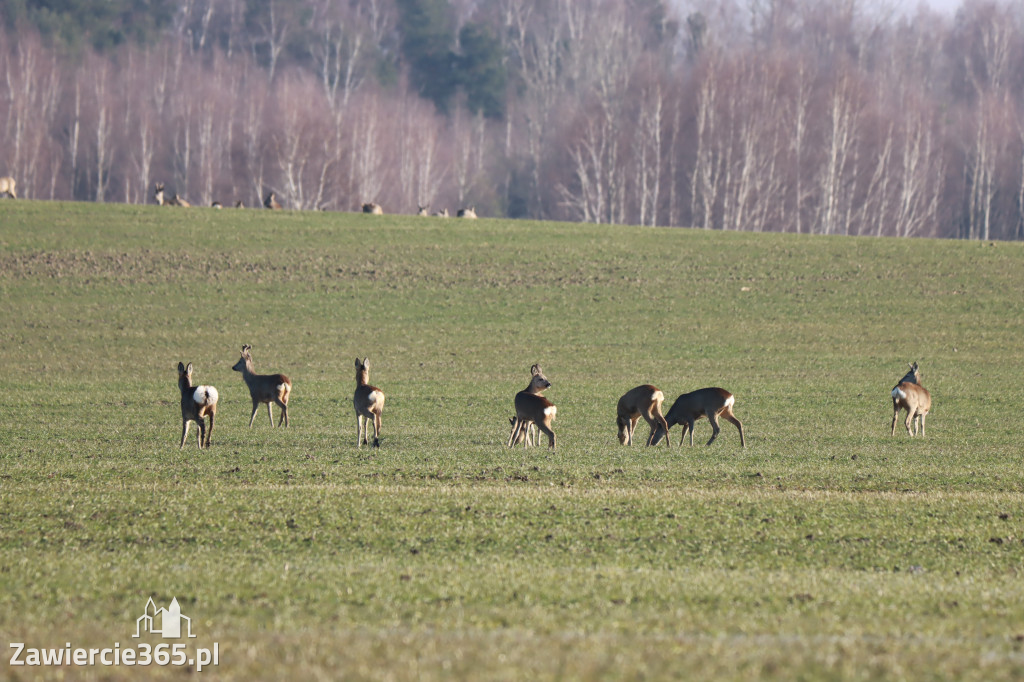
x,y
815,116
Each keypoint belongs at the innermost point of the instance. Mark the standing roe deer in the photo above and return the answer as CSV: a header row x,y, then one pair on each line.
x,y
690,407
373,209
529,434
643,401
369,403
531,406
911,396
271,202
7,187
196,403
264,388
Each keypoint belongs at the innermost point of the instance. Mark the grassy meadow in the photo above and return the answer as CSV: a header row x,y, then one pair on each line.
x,y
825,550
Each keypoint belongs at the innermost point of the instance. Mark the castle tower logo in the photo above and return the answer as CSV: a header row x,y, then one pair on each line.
x,y
170,621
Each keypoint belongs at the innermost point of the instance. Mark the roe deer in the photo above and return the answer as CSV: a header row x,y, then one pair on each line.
x,y
529,434
911,396
531,406
373,209
239,204
196,403
422,210
178,201
158,194
643,401
690,407
369,403
467,213
271,202
264,388
7,187
443,213
216,204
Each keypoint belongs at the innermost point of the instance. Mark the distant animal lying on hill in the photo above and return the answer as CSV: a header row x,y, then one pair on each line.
x,y
373,209
7,187
691,407
216,204
468,213
196,404
158,193
443,213
271,202
422,210
911,396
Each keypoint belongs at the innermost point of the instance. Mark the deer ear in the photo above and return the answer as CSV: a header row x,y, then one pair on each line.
x,y
366,363
188,370
358,364
535,369
181,367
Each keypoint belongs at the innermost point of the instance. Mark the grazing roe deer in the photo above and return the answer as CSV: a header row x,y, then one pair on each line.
x,y
373,209
643,401
196,403
467,213
158,194
271,202
690,407
7,187
531,406
369,403
264,388
911,396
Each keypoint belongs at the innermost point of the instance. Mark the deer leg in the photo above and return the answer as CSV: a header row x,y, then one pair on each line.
x,y
202,433
713,418
923,415
270,414
739,426
252,417
513,437
184,432
376,429
209,431
690,422
546,428
284,412
895,414
908,421
359,430
531,435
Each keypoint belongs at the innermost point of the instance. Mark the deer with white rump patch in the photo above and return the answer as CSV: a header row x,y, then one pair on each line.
x,y
264,388
7,187
911,396
197,402
691,407
533,407
643,401
369,403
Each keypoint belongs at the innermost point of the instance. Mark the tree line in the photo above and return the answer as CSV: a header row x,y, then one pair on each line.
x,y
767,115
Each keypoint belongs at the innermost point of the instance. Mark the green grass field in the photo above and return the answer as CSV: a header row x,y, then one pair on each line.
x,y
825,550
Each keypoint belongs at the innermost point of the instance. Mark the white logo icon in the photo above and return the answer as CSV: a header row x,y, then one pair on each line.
x,y
170,621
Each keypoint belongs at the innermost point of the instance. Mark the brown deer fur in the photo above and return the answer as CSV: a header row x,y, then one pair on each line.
x,y
264,388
